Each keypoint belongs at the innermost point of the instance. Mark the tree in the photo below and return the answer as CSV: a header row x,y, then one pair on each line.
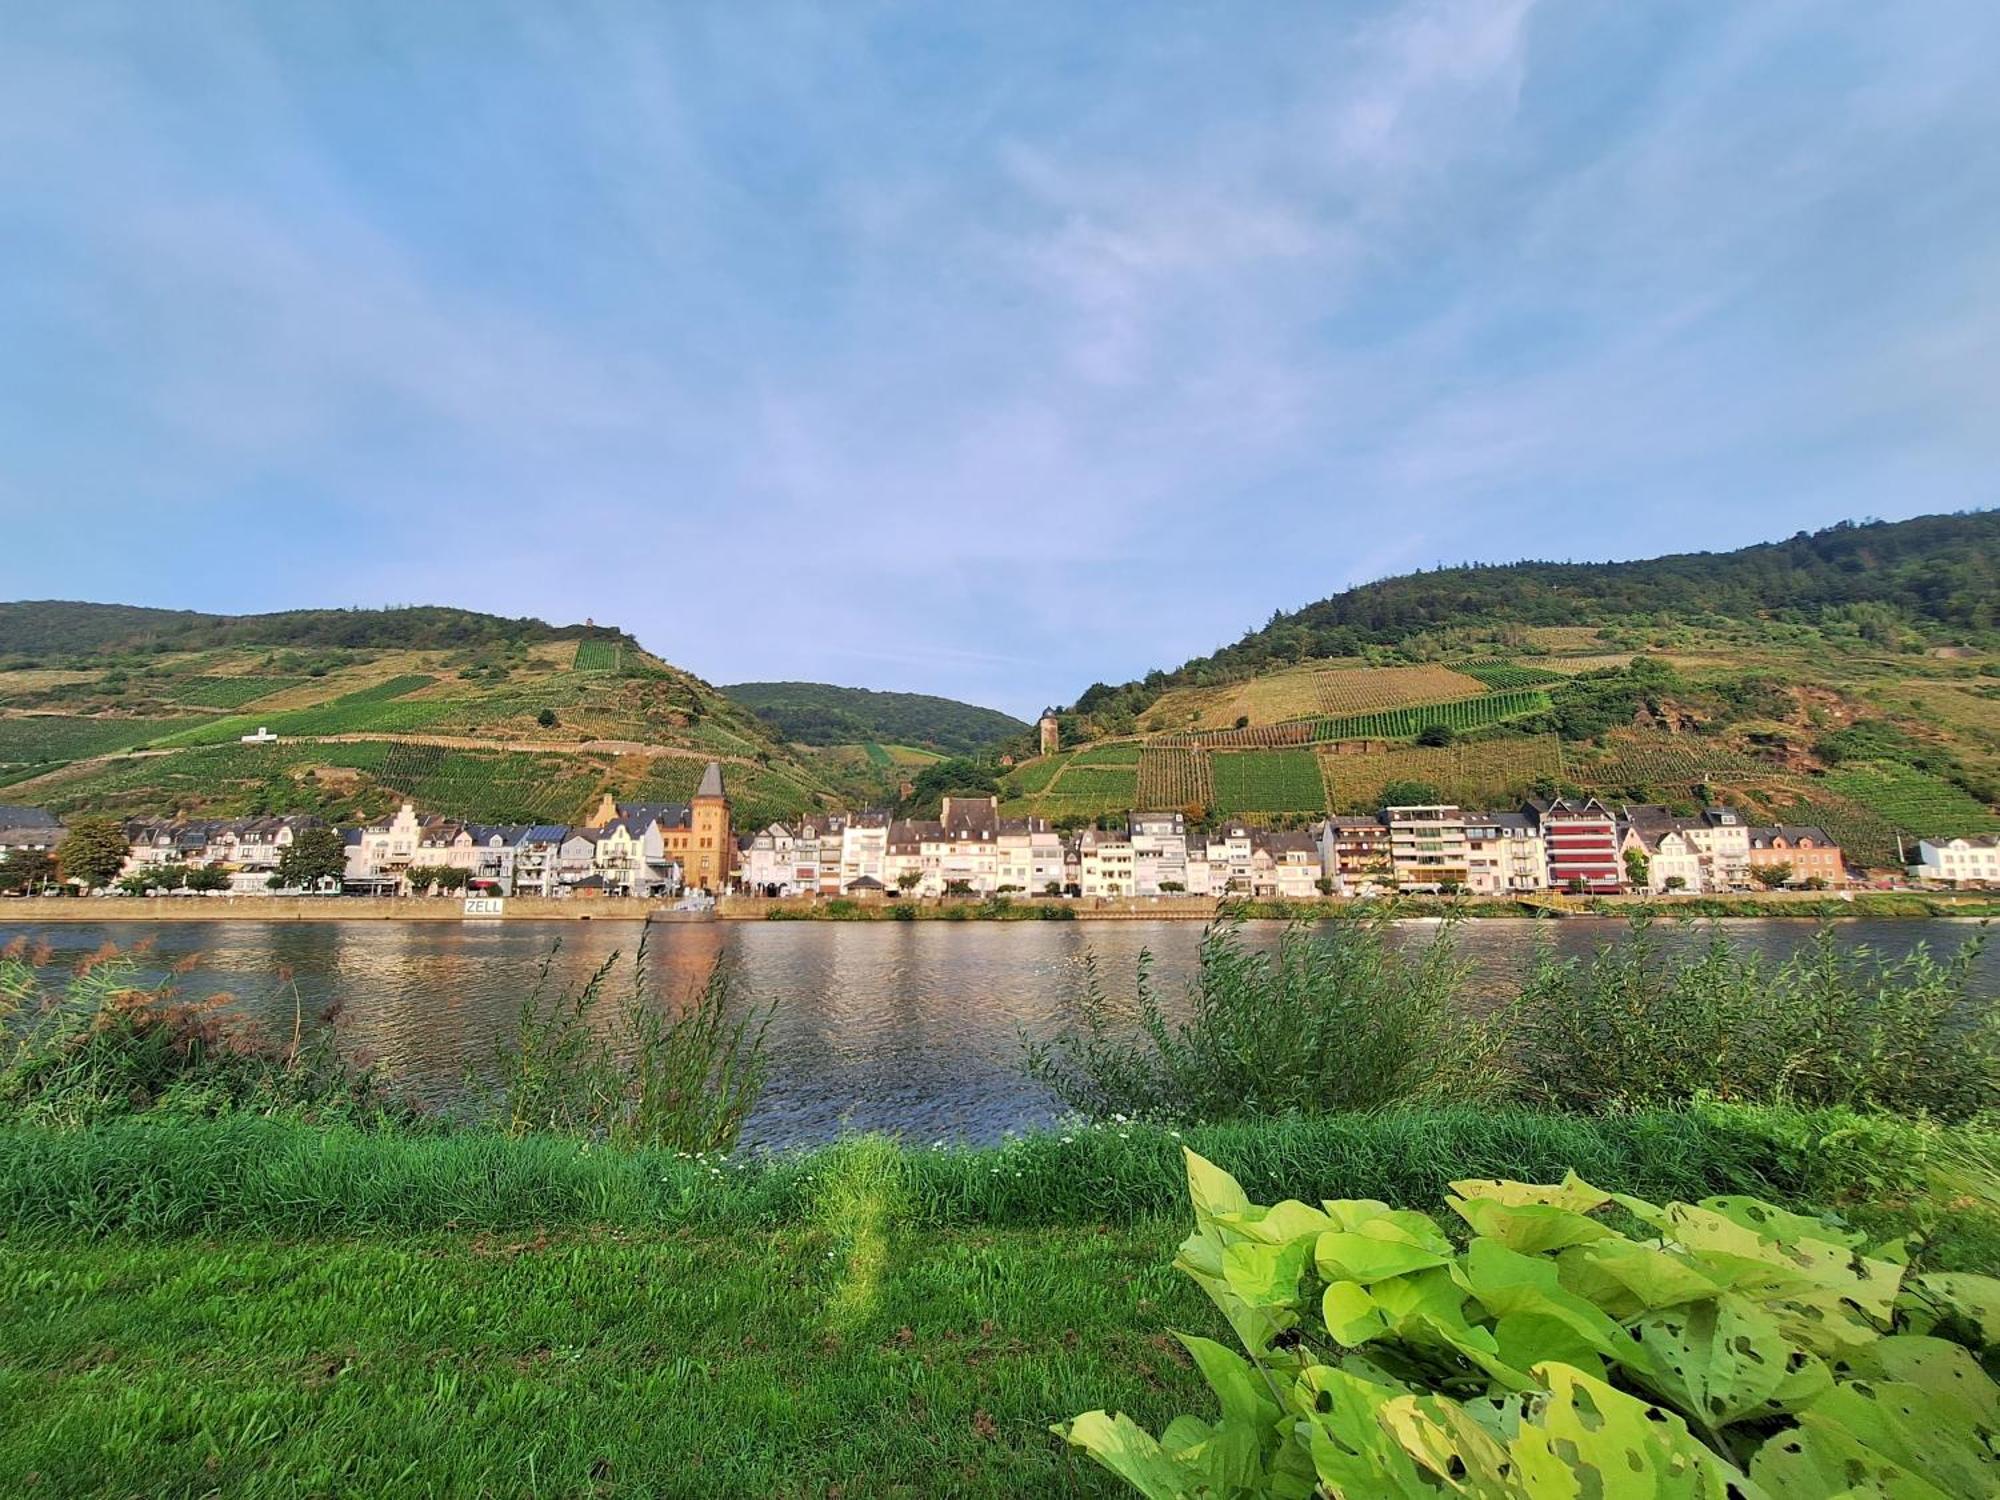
x,y
207,878
1324,885
958,888
1436,734
546,718
314,855
1771,876
93,852
908,881
1243,721
1676,882
27,870
1053,888
1410,794
1638,869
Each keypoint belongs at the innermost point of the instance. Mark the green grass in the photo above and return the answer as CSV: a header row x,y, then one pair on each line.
x,y
597,656
332,1311
781,1364
877,756
248,1175
1266,781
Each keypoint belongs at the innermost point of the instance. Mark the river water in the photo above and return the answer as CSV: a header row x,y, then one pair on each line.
x,y
910,1027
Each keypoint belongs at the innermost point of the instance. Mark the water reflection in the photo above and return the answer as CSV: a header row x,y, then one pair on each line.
x,y
907,1027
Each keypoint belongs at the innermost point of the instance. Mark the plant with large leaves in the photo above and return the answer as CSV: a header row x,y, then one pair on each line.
x,y
1723,1348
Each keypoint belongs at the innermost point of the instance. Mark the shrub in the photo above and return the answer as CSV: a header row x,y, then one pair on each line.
x,y
1340,1017
1729,1345
1634,1025
633,1072
99,1044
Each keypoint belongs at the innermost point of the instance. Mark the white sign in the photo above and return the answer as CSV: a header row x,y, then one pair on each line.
x,y
485,906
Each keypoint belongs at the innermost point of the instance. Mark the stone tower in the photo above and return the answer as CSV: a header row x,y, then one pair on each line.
x,y
1051,734
709,841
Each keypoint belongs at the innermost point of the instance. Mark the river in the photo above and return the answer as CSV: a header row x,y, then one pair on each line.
x,y
910,1027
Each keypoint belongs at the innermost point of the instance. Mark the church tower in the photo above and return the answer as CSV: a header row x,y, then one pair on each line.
x,y
709,842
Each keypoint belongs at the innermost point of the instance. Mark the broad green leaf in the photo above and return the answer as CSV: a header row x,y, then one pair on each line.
x,y
1817,1459
1589,1438
1266,1275
1527,1339
1780,1224
1508,1283
1445,1439
1278,1224
1202,1258
1572,1194
1352,1452
1946,1371
1530,1228
1726,1360
1956,1297
1912,1428
1352,1315
1367,1216
1212,1190
1129,1451
1246,1400
1375,1252
1625,1278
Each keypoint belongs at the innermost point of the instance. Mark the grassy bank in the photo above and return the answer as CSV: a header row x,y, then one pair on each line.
x,y
243,1175
772,1364
254,1307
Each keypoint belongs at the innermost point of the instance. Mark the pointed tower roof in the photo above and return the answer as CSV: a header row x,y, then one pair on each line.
x,y
711,781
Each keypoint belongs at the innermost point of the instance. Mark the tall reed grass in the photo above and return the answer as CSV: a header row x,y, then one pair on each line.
x,y
1345,1017
1340,1017
630,1070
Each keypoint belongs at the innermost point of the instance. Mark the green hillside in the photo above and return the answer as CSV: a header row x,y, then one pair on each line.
x,y
818,713
505,721
66,628
1849,678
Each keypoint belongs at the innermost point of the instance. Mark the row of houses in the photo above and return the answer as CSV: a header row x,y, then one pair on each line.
x,y
651,850
625,849
1548,844
638,849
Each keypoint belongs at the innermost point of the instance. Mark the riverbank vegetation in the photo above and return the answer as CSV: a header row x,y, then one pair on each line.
x,y
234,1263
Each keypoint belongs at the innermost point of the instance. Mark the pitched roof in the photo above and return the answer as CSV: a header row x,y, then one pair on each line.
x,y
711,781
1791,833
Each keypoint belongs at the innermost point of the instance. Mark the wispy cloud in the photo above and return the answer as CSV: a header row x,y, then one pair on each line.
x,y
1010,346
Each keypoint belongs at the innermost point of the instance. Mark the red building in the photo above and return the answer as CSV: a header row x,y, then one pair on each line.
x,y
1582,843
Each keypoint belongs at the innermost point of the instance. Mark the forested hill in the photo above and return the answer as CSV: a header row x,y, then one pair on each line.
x,y
818,713
1936,574
59,627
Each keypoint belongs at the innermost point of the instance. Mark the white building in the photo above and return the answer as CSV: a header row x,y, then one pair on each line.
x,y
1285,865
1104,862
864,850
1159,853
1504,854
1229,857
1721,842
1966,860
1428,848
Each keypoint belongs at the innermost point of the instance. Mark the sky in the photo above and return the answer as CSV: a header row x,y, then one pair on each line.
x,y
979,349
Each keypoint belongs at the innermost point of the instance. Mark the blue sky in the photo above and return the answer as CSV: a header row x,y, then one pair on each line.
x,y
976,349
